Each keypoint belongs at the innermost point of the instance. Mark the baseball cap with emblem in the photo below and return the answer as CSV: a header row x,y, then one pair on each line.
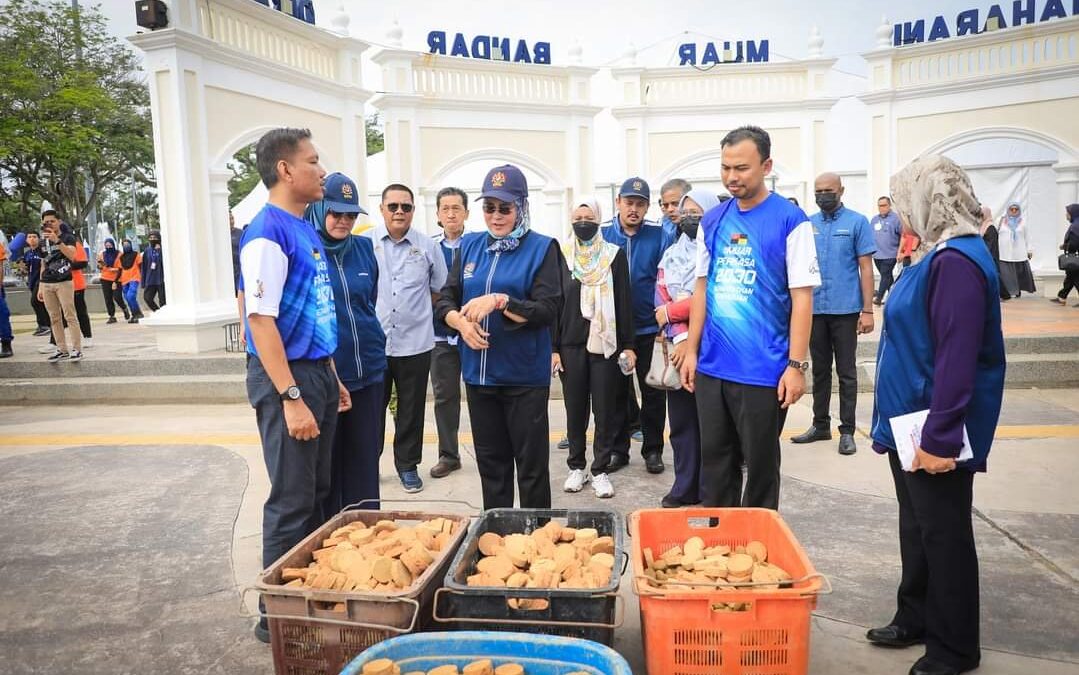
x,y
635,187
505,183
341,195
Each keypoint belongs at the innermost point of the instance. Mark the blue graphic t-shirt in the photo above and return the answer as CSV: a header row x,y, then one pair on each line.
x,y
285,275
751,260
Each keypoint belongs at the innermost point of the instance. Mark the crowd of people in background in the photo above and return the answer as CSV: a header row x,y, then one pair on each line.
x,y
55,264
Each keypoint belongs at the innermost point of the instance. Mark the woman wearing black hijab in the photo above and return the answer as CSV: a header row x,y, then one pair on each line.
x,y
1070,247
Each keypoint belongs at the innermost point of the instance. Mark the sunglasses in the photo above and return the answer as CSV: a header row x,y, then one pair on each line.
x,y
404,208
503,209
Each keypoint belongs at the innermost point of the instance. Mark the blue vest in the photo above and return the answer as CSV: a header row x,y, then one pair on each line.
x,y
361,345
643,250
518,356
905,357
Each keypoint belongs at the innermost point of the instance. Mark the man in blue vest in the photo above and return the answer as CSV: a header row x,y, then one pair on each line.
x,y
644,243
452,206
842,309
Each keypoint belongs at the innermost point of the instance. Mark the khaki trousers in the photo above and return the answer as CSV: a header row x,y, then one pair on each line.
x,y
60,303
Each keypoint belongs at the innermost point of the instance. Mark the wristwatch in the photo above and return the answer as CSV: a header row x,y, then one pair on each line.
x,y
291,394
798,365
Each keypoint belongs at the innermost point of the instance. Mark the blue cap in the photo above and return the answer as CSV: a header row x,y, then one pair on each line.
x,y
505,183
635,187
341,195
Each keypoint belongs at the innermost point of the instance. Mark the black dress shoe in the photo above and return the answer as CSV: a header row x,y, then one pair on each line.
x,y
617,462
669,502
893,636
813,434
653,462
846,444
928,666
262,631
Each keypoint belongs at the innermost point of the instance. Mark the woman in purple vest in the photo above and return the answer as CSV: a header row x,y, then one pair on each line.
x,y
941,351
502,295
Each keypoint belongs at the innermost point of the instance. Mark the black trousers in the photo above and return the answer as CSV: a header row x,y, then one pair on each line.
x,y
938,592
1071,280
885,267
686,446
446,386
114,297
408,374
42,314
354,458
150,292
739,423
299,470
592,383
510,429
834,334
653,408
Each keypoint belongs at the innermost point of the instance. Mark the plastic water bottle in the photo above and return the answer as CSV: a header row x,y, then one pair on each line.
x,y
623,364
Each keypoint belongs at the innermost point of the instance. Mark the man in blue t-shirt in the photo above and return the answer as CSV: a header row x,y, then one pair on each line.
x,y
291,326
749,326
842,309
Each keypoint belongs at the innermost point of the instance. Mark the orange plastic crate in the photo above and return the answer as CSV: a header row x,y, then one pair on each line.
x,y
686,633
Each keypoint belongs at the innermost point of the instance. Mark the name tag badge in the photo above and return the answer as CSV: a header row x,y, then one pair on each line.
x,y
878,227
153,266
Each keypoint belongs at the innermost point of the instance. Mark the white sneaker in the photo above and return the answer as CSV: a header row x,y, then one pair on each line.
x,y
577,479
75,355
602,485
87,342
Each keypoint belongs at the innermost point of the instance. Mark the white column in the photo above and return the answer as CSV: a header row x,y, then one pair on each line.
x,y
194,217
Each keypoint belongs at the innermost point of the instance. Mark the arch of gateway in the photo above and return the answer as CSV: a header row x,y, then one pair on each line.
x,y
1001,102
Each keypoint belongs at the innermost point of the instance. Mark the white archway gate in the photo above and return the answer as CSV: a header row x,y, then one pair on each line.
x,y
1019,84
442,113
221,75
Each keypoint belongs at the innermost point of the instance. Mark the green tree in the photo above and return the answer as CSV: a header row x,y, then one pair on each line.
x,y
74,115
376,139
245,175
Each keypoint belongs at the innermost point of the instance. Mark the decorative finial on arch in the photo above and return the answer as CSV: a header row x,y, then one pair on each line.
x,y
394,34
575,52
340,20
884,33
630,55
816,43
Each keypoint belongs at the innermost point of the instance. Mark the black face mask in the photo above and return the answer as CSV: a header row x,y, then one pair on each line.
x,y
689,225
585,230
827,201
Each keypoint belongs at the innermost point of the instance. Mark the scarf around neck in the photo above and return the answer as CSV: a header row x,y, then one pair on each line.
x,y
590,263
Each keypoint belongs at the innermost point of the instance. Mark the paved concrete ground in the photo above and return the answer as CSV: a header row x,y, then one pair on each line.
x,y
127,532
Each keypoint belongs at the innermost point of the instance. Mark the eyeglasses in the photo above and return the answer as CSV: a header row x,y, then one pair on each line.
x,y
343,216
503,209
394,206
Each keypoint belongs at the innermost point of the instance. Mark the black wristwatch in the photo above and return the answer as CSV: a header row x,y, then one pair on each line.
x,y
291,394
798,365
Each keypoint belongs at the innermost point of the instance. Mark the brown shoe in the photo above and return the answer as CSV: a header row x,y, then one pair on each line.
x,y
444,468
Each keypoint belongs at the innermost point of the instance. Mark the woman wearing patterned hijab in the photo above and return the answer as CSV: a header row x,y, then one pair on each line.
x,y
941,351
1015,254
502,295
595,328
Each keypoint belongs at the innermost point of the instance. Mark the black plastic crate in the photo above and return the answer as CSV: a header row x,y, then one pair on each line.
x,y
591,614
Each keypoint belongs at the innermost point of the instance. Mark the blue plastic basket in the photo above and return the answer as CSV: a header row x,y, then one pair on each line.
x,y
539,654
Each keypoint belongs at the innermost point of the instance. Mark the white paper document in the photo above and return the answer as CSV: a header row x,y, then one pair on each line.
x,y
907,432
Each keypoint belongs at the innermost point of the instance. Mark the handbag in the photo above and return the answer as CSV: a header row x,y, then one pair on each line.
x,y
662,374
1068,262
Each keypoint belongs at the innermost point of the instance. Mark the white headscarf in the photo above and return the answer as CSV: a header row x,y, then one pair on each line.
x,y
679,262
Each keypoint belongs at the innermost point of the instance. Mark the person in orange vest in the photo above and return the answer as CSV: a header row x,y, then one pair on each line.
x,y
130,263
110,280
